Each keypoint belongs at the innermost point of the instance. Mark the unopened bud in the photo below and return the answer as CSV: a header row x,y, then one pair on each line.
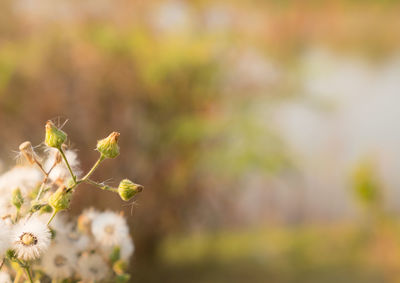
x,y
119,267
60,199
54,136
27,151
17,200
108,147
127,189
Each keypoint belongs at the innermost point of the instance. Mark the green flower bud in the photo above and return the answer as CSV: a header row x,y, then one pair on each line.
x,y
17,200
60,199
119,267
127,189
108,147
115,254
54,136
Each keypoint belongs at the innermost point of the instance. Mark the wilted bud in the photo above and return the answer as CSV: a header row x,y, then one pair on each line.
x,y
60,199
54,136
26,150
108,147
127,189
17,199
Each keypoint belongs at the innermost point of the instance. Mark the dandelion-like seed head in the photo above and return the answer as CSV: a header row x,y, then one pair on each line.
x,y
31,239
28,239
59,261
92,267
109,228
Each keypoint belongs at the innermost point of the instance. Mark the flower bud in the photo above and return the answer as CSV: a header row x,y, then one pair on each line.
x,y
54,136
127,189
108,147
119,267
26,150
60,199
17,200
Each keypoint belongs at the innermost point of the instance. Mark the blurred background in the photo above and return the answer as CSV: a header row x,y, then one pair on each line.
x,y
266,133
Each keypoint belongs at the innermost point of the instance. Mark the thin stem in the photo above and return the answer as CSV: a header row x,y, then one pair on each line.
x,y
52,216
28,273
66,162
41,167
41,190
101,186
18,276
101,158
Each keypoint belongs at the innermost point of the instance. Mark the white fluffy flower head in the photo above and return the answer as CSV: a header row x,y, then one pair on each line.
x,y
92,267
5,277
4,236
31,238
110,228
59,261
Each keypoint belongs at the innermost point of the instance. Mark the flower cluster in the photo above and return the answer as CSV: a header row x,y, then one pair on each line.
x,y
40,244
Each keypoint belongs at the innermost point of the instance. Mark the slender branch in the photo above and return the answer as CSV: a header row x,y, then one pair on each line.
x,y
101,186
52,216
28,273
66,162
41,167
101,158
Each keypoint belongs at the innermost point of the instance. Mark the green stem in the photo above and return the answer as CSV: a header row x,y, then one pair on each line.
x,y
28,273
101,158
52,216
101,186
66,162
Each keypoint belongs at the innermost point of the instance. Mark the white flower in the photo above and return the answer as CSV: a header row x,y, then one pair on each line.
x,y
22,177
59,224
4,237
5,277
6,207
59,262
31,238
80,241
92,267
109,228
126,249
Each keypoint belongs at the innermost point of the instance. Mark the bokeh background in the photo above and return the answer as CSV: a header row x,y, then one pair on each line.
x,y
266,133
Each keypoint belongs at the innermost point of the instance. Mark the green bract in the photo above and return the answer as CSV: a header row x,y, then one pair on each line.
x,y
54,136
108,147
127,189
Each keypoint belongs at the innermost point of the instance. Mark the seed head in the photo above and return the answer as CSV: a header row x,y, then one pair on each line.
x,y
27,151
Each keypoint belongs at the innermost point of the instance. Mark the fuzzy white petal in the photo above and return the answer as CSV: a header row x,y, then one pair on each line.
x,y
37,229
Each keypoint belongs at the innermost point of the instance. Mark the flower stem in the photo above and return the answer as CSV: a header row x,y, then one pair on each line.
x,y
28,273
52,216
66,162
101,158
101,186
